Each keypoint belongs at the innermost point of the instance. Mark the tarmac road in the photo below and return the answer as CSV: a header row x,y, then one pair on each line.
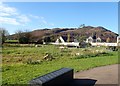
x,y
101,75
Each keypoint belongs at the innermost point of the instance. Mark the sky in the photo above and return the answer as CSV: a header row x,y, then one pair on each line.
x,y
31,16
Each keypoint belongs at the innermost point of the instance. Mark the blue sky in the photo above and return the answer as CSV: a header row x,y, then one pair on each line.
x,y
39,15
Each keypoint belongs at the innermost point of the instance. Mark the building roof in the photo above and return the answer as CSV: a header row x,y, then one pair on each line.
x,y
65,38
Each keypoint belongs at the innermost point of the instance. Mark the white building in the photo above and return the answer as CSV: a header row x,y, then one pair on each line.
x,y
118,39
61,41
89,40
98,39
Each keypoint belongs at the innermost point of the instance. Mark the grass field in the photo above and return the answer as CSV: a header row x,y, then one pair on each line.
x,y
12,41
21,64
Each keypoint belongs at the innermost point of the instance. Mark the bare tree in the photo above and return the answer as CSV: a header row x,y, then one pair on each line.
x,y
27,34
81,26
19,34
23,36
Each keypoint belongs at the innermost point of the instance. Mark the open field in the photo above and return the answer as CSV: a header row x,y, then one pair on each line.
x,y
12,41
21,64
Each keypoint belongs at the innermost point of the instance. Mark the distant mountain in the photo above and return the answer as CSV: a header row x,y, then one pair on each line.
x,y
77,33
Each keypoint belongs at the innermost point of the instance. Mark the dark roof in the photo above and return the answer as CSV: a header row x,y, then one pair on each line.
x,y
94,37
65,38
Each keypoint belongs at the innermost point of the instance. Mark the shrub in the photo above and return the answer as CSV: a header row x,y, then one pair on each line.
x,y
48,57
113,48
84,44
31,61
89,55
23,40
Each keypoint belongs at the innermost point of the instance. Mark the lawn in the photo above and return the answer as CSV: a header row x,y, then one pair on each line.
x,y
21,64
12,41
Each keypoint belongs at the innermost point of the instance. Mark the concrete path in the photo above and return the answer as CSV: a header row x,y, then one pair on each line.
x,y
102,75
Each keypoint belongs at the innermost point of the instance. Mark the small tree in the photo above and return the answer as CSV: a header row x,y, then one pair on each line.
x,y
81,38
46,39
19,34
82,26
68,38
28,35
3,35
40,41
23,37
108,40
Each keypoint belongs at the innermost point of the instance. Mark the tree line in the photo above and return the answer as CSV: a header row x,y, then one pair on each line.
x,y
23,37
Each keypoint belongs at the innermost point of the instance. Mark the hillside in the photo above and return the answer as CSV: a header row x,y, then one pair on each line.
x,y
78,33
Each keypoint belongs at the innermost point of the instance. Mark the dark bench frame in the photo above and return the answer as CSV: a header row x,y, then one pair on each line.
x,y
59,77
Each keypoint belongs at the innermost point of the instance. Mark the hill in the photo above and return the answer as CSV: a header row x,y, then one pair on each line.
x,y
77,33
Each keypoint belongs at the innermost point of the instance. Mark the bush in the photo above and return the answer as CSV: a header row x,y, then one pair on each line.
x,y
84,44
30,61
113,48
23,40
93,55
88,44
48,57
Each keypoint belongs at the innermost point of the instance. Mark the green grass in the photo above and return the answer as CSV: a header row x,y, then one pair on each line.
x,y
12,41
16,71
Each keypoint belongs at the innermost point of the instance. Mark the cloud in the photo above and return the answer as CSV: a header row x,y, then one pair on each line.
x,y
7,11
5,14
5,20
42,17
23,19
10,15
33,16
46,23
43,21
52,24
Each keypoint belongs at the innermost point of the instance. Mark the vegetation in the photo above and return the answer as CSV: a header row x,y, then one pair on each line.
x,y
24,37
24,40
81,26
3,35
113,48
21,64
108,40
68,38
80,33
12,41
47,39
23,61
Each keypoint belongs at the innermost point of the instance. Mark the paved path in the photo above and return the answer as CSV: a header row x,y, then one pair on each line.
x,y
102,75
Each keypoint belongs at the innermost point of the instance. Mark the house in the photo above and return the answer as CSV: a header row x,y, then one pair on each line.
x,y
89,40
93,39
60,40
98,39
98,43
63,40
118,39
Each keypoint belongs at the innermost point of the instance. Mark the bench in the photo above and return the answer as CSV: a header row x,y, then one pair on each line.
x,y
59,77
